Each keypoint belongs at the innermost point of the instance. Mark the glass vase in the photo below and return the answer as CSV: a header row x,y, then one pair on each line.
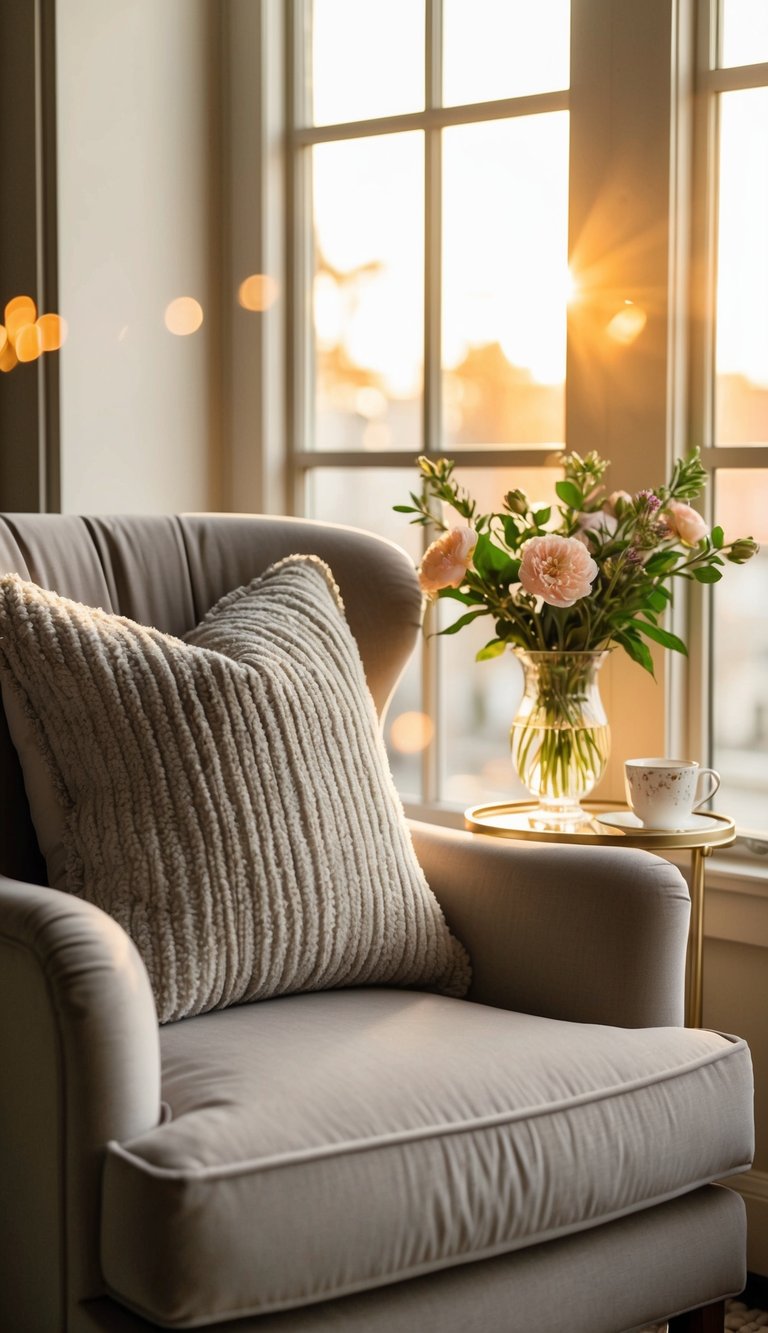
x,y
560,739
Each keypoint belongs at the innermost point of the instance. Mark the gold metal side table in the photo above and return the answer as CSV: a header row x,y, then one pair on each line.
x,y
515,820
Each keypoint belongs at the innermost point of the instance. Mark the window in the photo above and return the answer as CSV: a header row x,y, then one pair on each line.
x,y
731,383
528,174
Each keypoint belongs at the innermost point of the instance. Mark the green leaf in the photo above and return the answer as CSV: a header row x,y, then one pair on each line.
x,y
456,595
462,621
569,493
510,573
492,562
511,532
542,516
638,651
486,557
661,562
718,537
405,509
662,636
658,598
707,575
493,649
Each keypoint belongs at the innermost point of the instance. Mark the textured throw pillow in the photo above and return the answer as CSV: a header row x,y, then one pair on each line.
x,y
226,799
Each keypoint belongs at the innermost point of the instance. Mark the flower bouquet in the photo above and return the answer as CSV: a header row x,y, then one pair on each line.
x,y
562,590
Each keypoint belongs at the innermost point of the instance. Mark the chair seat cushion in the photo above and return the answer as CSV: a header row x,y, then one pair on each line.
x,y
322,1144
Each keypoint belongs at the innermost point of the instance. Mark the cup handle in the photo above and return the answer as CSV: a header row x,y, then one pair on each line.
x,y
715,781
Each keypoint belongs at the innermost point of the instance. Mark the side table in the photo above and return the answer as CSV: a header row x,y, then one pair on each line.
x,y
515,819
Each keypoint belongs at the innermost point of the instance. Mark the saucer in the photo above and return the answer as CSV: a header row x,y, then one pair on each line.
x,y
627,819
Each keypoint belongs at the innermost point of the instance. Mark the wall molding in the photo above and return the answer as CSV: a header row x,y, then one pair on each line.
x,y
753,1188
751,1185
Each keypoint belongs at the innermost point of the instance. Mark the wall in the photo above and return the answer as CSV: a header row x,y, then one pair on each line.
x,y
138,143
735,1000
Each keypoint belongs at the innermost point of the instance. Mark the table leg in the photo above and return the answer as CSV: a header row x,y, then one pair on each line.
x,y
695,960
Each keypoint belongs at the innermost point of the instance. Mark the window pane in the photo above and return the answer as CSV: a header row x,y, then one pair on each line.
x,y
740,648
742,287
479,699
745,32
367,60
504,48
505,275
364,499
368,292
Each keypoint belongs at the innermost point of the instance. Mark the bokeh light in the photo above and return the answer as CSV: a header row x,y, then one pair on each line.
x,y
627,324
8,357
258,292
29,343
24,337
411,732
53,332
18,312
183,316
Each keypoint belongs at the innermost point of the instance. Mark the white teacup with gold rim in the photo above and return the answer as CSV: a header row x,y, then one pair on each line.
x,y
666,793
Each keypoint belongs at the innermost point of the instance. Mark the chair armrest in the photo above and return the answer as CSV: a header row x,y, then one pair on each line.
x,y
589,934
79,1055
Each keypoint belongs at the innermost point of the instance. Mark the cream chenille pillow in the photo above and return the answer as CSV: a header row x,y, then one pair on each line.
x,y
226,799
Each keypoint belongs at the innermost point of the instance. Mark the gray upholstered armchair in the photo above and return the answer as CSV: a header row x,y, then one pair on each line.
x,y
373,1157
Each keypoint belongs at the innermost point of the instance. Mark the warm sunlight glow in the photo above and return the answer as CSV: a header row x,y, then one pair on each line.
x,y
258,292
53,332
367,60
505,284
368,203
742,260
411,732
744,32
329,311
183,316
627,324
505,272
18,312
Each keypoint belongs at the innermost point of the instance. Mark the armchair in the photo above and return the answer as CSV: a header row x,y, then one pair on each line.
x,y
364,1159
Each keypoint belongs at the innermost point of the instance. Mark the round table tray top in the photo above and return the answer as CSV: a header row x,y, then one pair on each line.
x,y
513,819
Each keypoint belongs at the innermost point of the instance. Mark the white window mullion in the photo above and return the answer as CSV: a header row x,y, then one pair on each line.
x,y
701,304
300,269
432,386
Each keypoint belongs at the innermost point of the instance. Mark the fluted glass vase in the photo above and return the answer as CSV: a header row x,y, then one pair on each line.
x,y
560,739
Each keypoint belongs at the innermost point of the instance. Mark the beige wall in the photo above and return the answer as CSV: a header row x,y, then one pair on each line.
x,y
137,149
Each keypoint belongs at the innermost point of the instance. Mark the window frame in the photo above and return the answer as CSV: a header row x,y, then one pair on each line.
x,y
710,82
645,197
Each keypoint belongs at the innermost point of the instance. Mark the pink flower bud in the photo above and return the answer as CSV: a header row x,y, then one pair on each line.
x,y
685,522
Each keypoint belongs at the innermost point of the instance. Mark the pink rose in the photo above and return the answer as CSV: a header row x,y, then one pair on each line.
x,y
444,564
560,570
685,522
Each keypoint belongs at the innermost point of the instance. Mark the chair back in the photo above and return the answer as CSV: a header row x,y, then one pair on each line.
x,y
167,570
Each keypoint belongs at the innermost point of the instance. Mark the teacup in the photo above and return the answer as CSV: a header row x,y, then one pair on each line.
x,y
665,793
